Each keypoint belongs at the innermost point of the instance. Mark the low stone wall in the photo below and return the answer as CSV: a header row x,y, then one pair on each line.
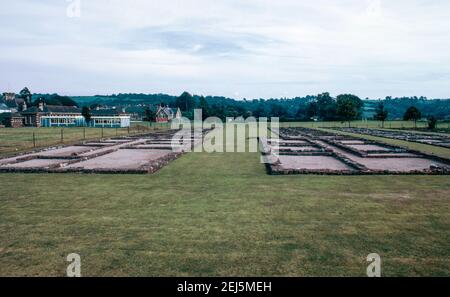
x,y
365,154
151,167
319,152
423,138
394,149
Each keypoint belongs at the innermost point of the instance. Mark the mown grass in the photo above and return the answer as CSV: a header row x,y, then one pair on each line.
x,y
21,139
220,214
15,140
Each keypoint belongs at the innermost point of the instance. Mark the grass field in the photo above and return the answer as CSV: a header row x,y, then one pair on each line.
x,y
221,215
22,139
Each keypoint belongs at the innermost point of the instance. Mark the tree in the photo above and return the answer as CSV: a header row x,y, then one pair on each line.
x,y
204,106
432,121
56,99
277,110
260,111
67,101
150,115
412,114
326,106
312,110
86,113
218,110
300,114
381,113
185,102
26,95
348,107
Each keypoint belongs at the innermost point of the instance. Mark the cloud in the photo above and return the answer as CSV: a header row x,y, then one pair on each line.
x,y
191,42
254,48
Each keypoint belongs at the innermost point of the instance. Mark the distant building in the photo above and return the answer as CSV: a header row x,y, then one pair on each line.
x,y
13,120
166,114
70,116
12,103
114,118
4,108
9,96
137,113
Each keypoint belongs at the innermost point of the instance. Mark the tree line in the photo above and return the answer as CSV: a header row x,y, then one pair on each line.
x,y
346,107
321,107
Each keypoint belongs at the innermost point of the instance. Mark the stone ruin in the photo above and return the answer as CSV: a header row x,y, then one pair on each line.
x,y
311,151
424,138
134,154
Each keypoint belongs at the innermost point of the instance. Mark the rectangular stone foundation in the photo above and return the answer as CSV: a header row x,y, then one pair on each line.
x,y
115,156
340,154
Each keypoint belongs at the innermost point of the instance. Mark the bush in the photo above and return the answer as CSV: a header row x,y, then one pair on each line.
x,y
432,121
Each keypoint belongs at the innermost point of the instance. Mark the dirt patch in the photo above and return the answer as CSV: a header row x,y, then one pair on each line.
x,y
368,147
44,163
68,151
299,148
312,163
122,159
399,164
348,142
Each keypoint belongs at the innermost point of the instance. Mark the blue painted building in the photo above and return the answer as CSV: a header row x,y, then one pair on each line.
x,y
113,121
70,116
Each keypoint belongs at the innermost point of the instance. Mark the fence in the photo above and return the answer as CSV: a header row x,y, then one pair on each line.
x,y
14,140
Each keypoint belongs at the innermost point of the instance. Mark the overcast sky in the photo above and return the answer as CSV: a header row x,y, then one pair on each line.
x,y
236,48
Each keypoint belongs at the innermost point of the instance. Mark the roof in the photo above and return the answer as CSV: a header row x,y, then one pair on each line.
x,y
19,101
107,112
62,109
3,106
32,109
137,109
168,111
9,115
11,104
53,109
14,103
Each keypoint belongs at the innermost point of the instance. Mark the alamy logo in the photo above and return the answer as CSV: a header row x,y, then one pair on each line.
x,y
234,135
74,268
374,268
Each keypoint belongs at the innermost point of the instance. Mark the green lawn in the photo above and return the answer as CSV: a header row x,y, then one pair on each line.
x,y
221,215
14,140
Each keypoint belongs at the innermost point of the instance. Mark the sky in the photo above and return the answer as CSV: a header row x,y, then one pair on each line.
x,y
235,48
